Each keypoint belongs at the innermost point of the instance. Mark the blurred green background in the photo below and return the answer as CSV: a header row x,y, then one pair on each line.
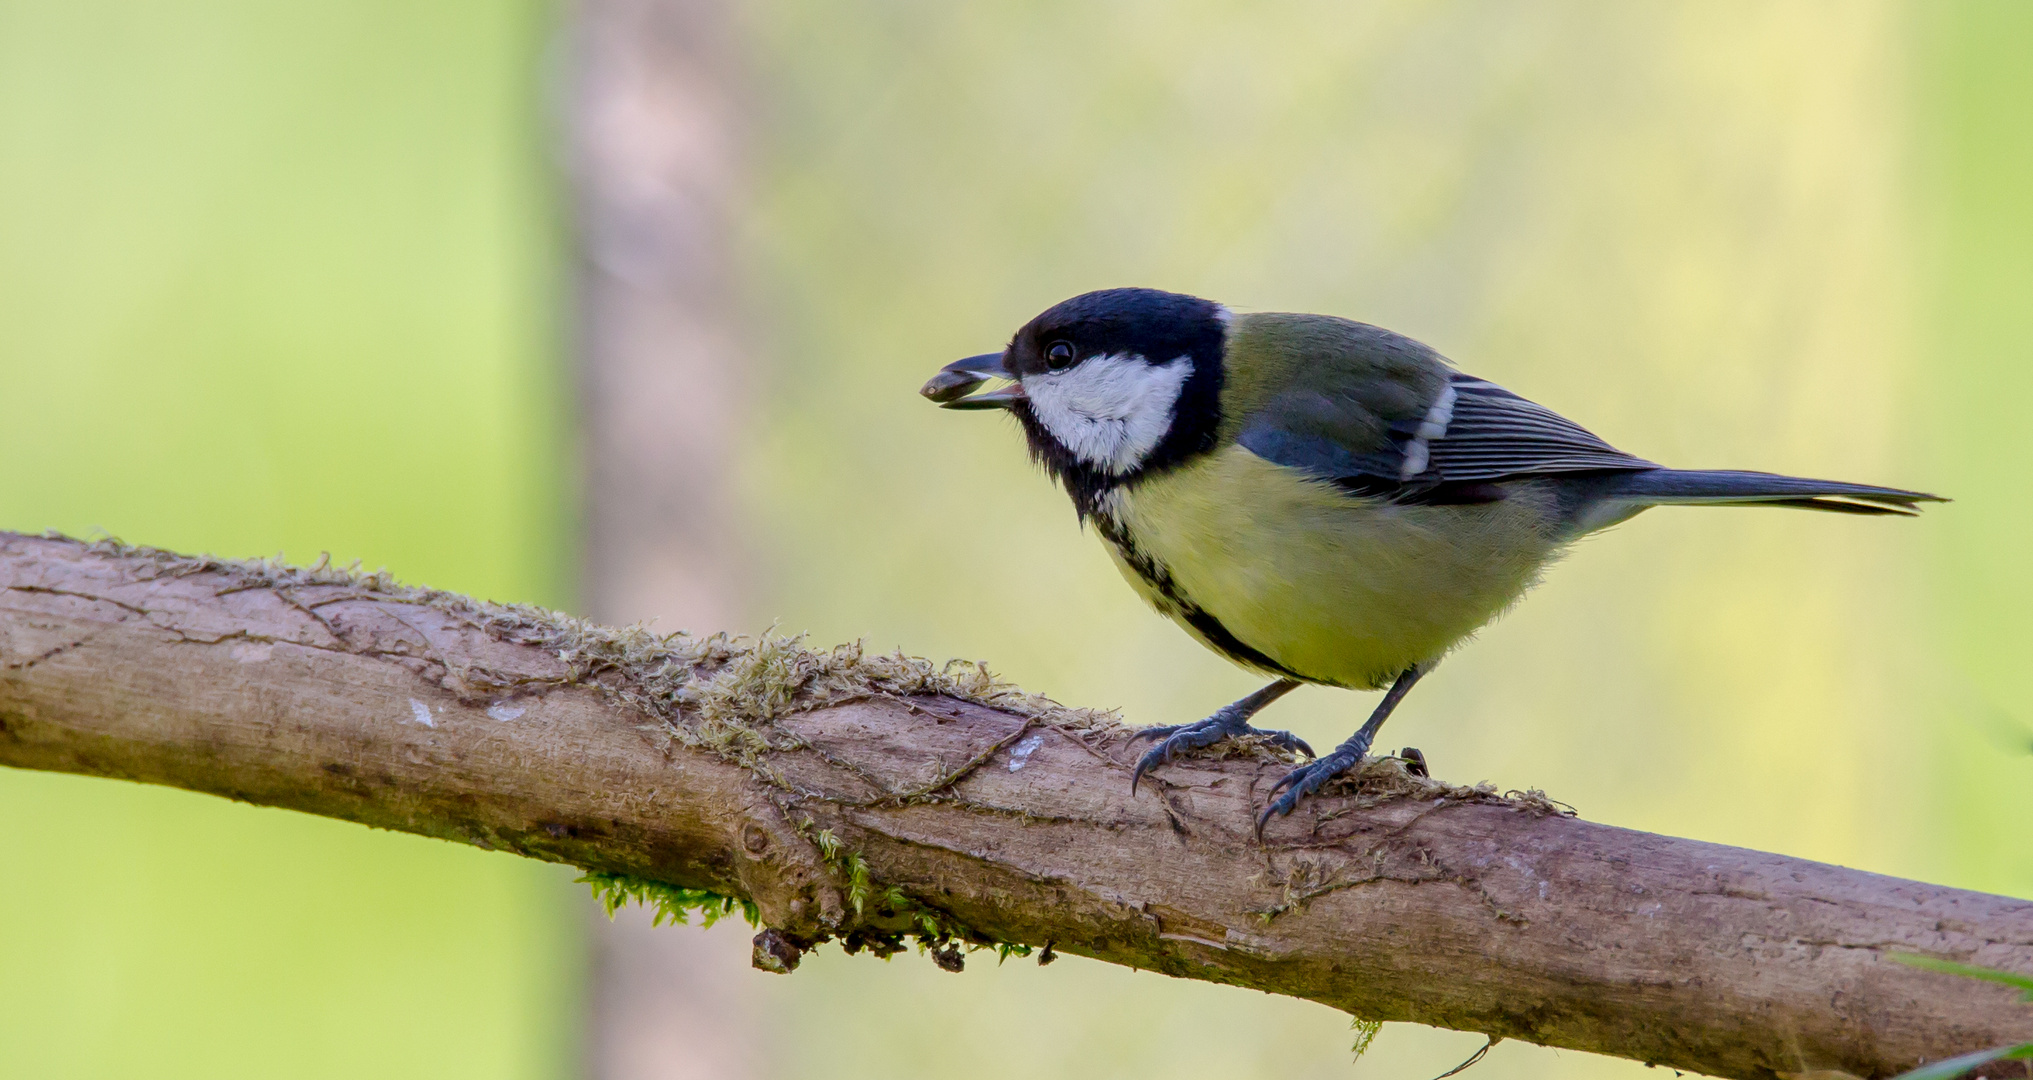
x,y
296,277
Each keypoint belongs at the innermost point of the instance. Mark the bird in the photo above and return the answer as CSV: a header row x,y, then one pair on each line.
x,y
1319,500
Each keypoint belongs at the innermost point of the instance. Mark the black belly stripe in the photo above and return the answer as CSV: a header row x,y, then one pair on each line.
x,y
1233,647
1160,579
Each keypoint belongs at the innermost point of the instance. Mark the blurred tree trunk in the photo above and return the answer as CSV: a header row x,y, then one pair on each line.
x,y
654,121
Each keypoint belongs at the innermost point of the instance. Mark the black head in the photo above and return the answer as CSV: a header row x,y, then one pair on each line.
x,y
1110,386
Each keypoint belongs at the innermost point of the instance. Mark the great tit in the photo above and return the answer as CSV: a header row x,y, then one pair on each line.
x,y
1317,499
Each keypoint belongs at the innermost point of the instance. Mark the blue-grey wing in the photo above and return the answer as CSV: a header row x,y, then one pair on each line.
x,y
1492,433
1472,431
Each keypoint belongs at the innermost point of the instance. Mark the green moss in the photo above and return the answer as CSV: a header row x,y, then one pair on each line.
x,y
668,903
899,919
1365,1034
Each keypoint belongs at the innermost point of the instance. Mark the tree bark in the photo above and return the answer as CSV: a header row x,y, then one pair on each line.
x,y
861,798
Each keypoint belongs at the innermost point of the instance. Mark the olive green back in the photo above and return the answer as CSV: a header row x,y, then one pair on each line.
x,y
1326,377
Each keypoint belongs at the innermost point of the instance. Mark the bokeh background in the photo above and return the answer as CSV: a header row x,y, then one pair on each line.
x,y
621,306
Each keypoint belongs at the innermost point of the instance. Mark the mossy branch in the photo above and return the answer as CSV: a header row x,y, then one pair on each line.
x,y
840,796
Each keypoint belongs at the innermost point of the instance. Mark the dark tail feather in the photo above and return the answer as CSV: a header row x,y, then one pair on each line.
x,y
1721,487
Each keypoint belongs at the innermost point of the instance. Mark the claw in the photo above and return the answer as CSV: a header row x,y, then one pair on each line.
x,y
1160,731
1136,775
1304,781
1179,738
1285,740
1230,721
1155,756
1264,819
1301,746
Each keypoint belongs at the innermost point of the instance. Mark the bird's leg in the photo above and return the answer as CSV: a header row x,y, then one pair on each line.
x,y
1306,779
1230,721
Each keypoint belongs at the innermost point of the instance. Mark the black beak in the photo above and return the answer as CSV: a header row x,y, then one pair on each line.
x,y
956,380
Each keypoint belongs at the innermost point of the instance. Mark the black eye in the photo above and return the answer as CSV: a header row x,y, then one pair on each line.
x,y
1059,355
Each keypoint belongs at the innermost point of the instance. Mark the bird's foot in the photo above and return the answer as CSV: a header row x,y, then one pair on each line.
x,y
1415,762
1177,739
1309,778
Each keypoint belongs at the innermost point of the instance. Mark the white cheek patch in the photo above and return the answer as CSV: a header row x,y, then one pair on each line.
x,y
1111,410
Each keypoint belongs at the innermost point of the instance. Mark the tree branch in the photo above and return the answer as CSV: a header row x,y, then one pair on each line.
x,y
863,799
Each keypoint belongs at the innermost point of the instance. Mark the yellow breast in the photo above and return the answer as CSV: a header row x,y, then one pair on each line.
x,y
1331,587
